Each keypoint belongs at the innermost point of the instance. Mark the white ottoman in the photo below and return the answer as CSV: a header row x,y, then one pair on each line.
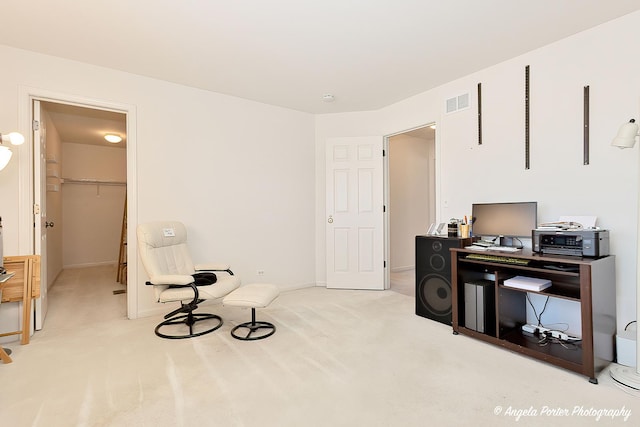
x,y
254,295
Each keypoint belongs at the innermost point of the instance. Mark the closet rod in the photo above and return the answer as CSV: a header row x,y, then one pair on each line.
x,y
91,181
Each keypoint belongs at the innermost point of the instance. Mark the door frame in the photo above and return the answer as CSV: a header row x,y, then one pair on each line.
x,y
39,137
27,171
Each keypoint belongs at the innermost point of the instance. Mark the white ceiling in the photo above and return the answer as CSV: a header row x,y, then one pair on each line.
x,y
289,53
81,125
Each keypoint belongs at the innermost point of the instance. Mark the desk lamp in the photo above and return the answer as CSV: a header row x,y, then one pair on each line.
x,y
14,138
626,138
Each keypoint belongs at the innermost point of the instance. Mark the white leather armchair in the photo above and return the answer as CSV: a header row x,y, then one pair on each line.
x,y
162,246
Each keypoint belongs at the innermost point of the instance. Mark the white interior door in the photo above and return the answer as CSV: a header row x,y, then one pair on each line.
x,y
355,227
40,209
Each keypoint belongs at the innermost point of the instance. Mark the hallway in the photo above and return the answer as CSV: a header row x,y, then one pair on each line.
x,y
404,282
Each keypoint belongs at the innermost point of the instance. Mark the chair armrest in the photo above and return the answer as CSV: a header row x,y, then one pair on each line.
x,y
171,279
212,267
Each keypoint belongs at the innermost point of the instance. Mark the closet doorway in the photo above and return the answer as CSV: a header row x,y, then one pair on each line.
x,y
86,190
411,188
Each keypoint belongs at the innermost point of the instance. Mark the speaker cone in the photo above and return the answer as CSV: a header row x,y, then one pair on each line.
x,y
434,292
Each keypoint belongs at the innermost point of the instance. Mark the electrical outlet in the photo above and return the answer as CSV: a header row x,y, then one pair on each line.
x,y
259,272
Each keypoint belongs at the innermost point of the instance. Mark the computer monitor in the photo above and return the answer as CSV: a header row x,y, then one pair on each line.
x,y
515,219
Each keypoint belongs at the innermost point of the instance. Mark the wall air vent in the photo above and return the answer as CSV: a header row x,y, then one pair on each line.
x,y
457,103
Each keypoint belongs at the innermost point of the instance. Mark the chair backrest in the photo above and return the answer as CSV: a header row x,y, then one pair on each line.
x,y
163,248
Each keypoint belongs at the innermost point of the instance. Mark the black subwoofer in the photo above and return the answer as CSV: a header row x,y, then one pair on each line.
x,y
433,276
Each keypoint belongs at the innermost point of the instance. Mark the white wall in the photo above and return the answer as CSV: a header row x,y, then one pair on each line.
x,y
238,173
608,187
248,181
92,213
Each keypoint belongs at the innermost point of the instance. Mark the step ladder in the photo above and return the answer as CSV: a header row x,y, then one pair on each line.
x,y
122,258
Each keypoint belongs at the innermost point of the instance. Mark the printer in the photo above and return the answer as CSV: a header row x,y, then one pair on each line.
x,y
580,242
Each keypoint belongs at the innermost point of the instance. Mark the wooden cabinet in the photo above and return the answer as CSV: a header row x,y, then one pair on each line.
x,y
588,282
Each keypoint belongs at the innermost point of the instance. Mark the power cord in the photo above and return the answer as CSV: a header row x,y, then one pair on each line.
x,y
629,324
520,245
547,339
535,313
552,336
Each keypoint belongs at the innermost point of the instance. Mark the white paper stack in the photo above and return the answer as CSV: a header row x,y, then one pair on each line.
x,y
527,283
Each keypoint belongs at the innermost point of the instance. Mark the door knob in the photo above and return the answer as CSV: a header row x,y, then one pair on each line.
x,y
48,224
330,220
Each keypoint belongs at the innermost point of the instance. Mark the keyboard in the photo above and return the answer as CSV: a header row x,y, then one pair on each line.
x,y
498,258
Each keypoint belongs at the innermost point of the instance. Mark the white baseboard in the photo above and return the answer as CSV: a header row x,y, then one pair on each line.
x,y
90,264
401,269
159,310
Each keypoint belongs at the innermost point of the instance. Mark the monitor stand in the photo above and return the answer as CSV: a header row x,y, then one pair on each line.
x,y
505,241
511,242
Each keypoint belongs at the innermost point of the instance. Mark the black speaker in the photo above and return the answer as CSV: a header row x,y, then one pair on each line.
x,y
433,276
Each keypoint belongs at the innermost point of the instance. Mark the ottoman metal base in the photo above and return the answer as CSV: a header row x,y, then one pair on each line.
x,y
190,320
253,327
254,295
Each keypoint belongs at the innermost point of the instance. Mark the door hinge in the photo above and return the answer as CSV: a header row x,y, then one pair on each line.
x,y
36,209
36,125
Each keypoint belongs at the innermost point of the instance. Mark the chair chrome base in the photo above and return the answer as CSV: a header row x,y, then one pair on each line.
x,y
190,320
252,327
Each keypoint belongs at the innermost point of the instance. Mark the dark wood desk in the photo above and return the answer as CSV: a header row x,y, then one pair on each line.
x,y
588,281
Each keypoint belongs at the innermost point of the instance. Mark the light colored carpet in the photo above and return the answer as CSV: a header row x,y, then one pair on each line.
x,y
338,358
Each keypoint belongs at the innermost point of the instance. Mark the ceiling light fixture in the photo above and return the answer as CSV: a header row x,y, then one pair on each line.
x,y
14,138
328,97
114,139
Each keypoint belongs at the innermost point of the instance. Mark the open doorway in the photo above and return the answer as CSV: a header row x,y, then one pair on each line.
x,y
84,207
411,200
